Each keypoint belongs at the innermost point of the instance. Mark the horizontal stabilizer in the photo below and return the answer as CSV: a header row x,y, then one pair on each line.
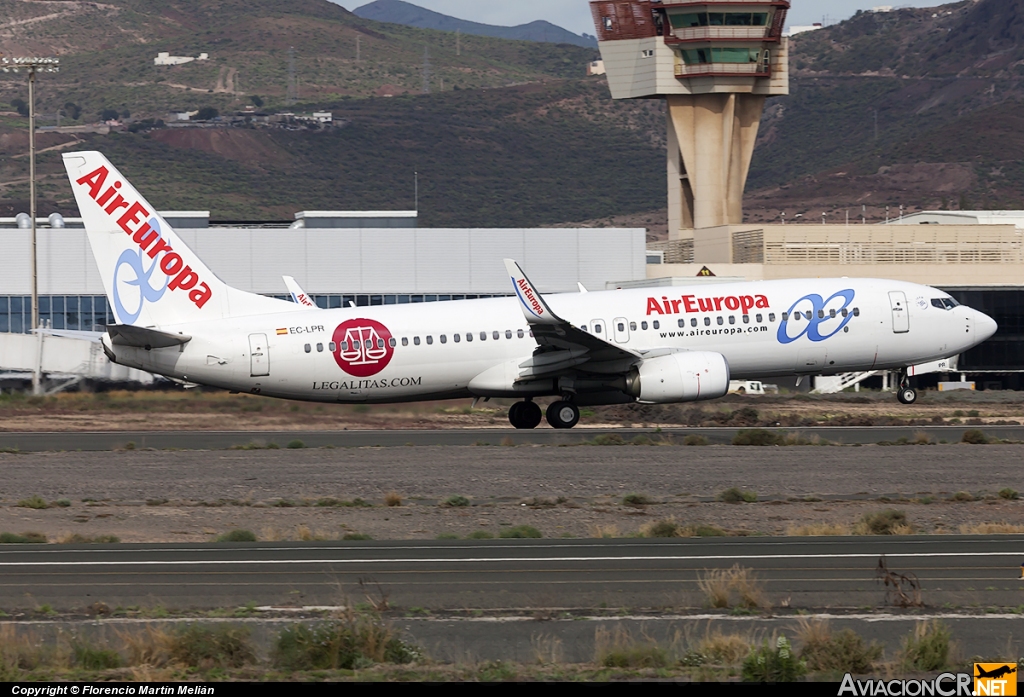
x,y
140,337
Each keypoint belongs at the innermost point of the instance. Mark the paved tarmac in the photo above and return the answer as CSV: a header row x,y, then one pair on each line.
x,y
223,440
510,574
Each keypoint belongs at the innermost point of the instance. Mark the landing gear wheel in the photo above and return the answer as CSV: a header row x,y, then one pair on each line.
x,y
563,415
906,395
524,415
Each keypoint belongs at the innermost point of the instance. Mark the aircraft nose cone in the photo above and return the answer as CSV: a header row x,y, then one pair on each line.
x,y
984,326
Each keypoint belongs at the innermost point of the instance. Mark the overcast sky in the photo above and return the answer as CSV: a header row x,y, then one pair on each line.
x,y
574,15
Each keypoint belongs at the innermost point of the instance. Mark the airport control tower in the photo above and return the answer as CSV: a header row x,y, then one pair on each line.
x,y
714,63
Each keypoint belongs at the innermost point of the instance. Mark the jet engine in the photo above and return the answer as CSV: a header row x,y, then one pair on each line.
x,y
688,376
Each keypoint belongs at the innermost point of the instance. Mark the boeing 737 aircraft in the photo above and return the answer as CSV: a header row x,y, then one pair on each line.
x,y
656,346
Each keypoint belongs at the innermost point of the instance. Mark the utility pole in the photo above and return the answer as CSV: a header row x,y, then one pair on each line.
x,y
458,42
33,65
359,45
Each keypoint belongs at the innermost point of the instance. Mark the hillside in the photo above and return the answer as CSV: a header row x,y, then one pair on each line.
x,y
108,49
519,156
399,12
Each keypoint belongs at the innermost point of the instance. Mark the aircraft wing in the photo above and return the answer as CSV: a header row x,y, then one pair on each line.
x,y
562,345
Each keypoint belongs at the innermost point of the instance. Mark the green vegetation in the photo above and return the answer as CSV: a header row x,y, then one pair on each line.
x,y
520,532
24,538
296,445
35,501
455,501
238,536
1008,494
975,436
927,649
354,642
636,500
694,439
480,535
844,651
737,495
776,663
758,436
890,522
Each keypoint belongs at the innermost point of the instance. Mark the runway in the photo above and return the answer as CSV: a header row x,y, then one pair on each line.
x,y
224,440
838,573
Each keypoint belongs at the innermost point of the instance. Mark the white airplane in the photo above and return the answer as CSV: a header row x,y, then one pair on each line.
x,y
664,345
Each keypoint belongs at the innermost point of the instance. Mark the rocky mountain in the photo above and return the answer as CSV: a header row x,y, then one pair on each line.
x,y
398,12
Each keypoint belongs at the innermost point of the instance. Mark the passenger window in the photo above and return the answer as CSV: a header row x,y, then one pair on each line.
x,y
856,312
657,324
319,348
771,316
416,340
496,335
308,348
832,314
457,337
732,319
721,320
430,341
746,319
444,339
469,336
643,325
760,319
392,342
344,346
845,312
821,314
508,333
707,321
405,341
584,328
597,329
520,333
693,322
332,347
785,317
682,323
380,343
622,326
483,336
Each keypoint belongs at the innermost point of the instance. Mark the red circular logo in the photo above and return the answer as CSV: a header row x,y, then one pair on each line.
x,y
362,347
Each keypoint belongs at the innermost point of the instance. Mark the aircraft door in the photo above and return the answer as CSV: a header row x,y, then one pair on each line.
x,y
259,356
598,328
900,312
620,327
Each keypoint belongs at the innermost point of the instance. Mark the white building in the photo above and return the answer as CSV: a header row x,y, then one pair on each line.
x,y
165,58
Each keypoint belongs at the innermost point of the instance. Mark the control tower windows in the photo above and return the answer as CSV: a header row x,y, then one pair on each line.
x,y
718,19
699,56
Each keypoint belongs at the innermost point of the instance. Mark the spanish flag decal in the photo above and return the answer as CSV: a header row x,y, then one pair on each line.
x,y
282,331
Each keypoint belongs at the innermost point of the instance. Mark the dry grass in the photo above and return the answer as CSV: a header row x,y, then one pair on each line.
x,y
841,652
991,529
393,499
922,438
547,649
819,530
720,585
619,649
149,648
604,531
724,649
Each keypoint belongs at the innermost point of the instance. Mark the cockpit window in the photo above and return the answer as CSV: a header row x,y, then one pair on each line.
x,y
944,303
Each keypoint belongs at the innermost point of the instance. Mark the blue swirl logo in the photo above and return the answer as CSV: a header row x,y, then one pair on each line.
x,y
133,265
817,312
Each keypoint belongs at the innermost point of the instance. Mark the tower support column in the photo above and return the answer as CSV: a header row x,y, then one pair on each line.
x,y
711,140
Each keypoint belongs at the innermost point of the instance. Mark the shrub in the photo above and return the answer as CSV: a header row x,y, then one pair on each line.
x,y
694,439
619,649
889,522
62,503
93,658
238,536
480,535
736,495
25,538
842,652
35,501
962,496
718,586
773,664
296,445
455,501
393,499
520,532
974,436
636,500
609,439
355,537
1008,494
927,649
661,528
221,646
758,436
340,645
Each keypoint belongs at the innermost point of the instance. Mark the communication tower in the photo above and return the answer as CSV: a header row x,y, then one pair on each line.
x,y
714,63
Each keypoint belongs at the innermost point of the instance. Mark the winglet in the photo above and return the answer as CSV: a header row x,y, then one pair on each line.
x,y
530,300
298,295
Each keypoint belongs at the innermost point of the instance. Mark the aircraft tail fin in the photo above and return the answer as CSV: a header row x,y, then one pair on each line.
x,y
149,274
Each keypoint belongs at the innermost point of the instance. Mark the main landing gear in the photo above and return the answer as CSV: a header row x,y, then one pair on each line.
x,y
905,393
527,415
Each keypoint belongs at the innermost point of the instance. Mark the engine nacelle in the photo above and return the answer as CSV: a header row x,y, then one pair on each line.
x,y
689,376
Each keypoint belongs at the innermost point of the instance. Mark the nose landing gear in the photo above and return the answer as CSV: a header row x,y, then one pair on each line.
x,y
905,393
524,415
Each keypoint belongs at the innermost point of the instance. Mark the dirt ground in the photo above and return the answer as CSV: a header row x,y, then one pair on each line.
x,y
194,496
199,410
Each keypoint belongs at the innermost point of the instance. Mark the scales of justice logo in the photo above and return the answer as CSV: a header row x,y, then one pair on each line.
x,y
362,347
